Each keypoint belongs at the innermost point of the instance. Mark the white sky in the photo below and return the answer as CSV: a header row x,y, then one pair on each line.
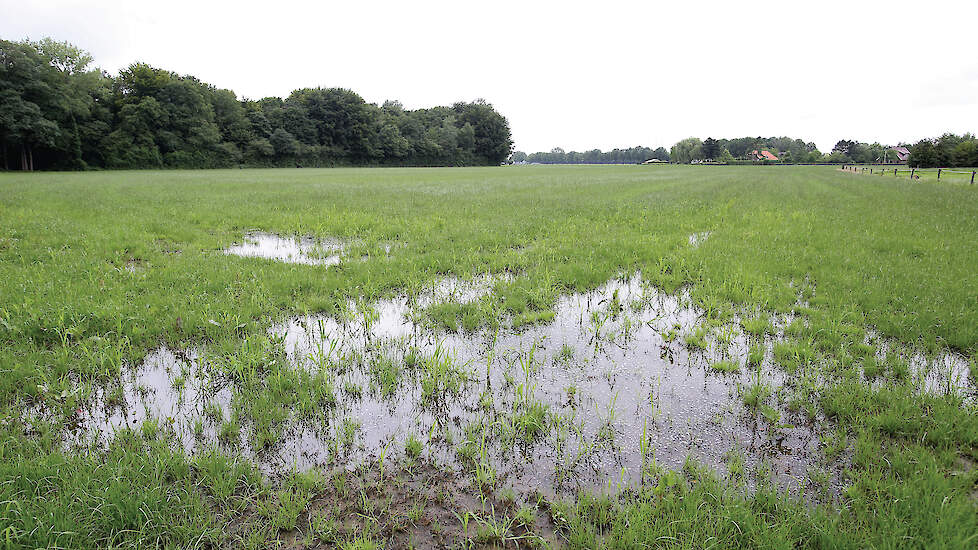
x,y
577,75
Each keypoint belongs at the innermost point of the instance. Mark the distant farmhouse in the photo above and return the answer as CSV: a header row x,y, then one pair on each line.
x,y
902,153
762,155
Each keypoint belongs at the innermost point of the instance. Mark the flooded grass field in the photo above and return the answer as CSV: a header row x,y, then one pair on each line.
x,y
506,357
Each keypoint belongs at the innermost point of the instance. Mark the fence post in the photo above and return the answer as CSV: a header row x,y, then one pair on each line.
x,y
938,174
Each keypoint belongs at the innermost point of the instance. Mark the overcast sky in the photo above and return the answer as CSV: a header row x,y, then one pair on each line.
x,y
576,75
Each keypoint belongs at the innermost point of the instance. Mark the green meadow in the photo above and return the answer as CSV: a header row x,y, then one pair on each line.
x,y
817,306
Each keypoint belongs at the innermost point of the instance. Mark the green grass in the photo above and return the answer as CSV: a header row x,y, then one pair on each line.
x,y
758,325
413,447
755,354
726,367
96,269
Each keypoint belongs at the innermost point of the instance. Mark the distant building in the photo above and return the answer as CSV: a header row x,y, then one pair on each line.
x,y
902,153
653,161
762,155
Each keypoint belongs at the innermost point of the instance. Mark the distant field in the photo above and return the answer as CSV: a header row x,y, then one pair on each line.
x,y
523,356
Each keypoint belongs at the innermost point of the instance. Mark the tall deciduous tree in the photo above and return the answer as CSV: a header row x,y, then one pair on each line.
x,y
711,148
491,143
30,107
687,150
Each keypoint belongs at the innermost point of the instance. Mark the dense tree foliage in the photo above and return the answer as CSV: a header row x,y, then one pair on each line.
x,y
949,150
711,148
53,109
687,150
847,150
730,150
786,148
57,113
557,155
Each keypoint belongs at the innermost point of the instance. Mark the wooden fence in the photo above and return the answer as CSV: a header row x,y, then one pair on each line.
x,y
911,172
973,172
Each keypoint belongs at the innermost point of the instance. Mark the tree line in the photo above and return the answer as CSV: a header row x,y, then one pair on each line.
x,y
683,152
729,150
557,155
947,151
57,112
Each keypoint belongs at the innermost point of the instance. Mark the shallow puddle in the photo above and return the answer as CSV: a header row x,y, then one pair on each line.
x,y
461,291
609,371
561,406
946,374
302,250
696,239
171,388
589,401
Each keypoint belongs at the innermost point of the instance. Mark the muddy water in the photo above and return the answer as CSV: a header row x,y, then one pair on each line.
x,y
303,250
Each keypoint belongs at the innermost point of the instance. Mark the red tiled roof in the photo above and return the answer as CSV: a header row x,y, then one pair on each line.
x,y
763,155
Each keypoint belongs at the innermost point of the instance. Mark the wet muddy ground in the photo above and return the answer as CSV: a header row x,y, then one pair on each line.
x,y
414,504
624,380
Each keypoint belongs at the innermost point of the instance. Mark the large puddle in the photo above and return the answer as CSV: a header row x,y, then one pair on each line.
x,y
622,379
